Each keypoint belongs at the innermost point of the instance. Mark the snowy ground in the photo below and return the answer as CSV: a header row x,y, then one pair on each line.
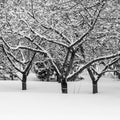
x,y
44,101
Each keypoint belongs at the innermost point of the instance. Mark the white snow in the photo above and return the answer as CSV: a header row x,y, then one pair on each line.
x,y
44,101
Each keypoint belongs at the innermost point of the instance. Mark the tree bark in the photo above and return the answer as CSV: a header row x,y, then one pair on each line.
x,y
64,86
24,85
48,75
94,82
95,88
58,78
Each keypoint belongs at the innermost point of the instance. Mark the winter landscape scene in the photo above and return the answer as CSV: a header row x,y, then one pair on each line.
x,y
59,59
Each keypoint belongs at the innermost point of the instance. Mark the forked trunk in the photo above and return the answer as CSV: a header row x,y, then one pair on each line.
x,y
24,85
94,82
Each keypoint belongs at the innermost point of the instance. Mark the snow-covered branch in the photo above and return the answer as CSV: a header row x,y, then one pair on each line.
x,y
52,29
106,67
5,43
110,64
10,54
58,43
42,50
85,19
93,69
91,62
32,9
51,59
57,32
11,60
80,41
29,65
27,48
48,28
86,10
111,71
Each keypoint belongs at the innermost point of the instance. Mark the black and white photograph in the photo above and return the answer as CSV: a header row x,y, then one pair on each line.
x,y
59,59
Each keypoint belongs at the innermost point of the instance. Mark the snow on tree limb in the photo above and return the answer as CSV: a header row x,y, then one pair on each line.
x,y
39,50
85,9
94,70
110,64
32,8
47,53
80,41
57,32
51,59
111,71
27,48
91,62
48,28
22,63
106,67
27,69
85,19
10,54
49,40
58,43
11,60
6,44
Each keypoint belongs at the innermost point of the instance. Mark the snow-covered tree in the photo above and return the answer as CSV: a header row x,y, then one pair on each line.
x,y
63,31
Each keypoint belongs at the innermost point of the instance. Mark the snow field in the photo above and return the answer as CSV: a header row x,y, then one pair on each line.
x,y
44,101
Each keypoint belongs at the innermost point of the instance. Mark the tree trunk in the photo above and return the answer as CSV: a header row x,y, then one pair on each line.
x,y
24,85
64,86
58,79
48,75
95,88
94,82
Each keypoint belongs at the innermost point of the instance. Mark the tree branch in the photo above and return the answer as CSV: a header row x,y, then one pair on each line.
x,y
106,67
58,43
45,52
91,62
85,9
57,32
11,60
80,41
15,58
28,48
